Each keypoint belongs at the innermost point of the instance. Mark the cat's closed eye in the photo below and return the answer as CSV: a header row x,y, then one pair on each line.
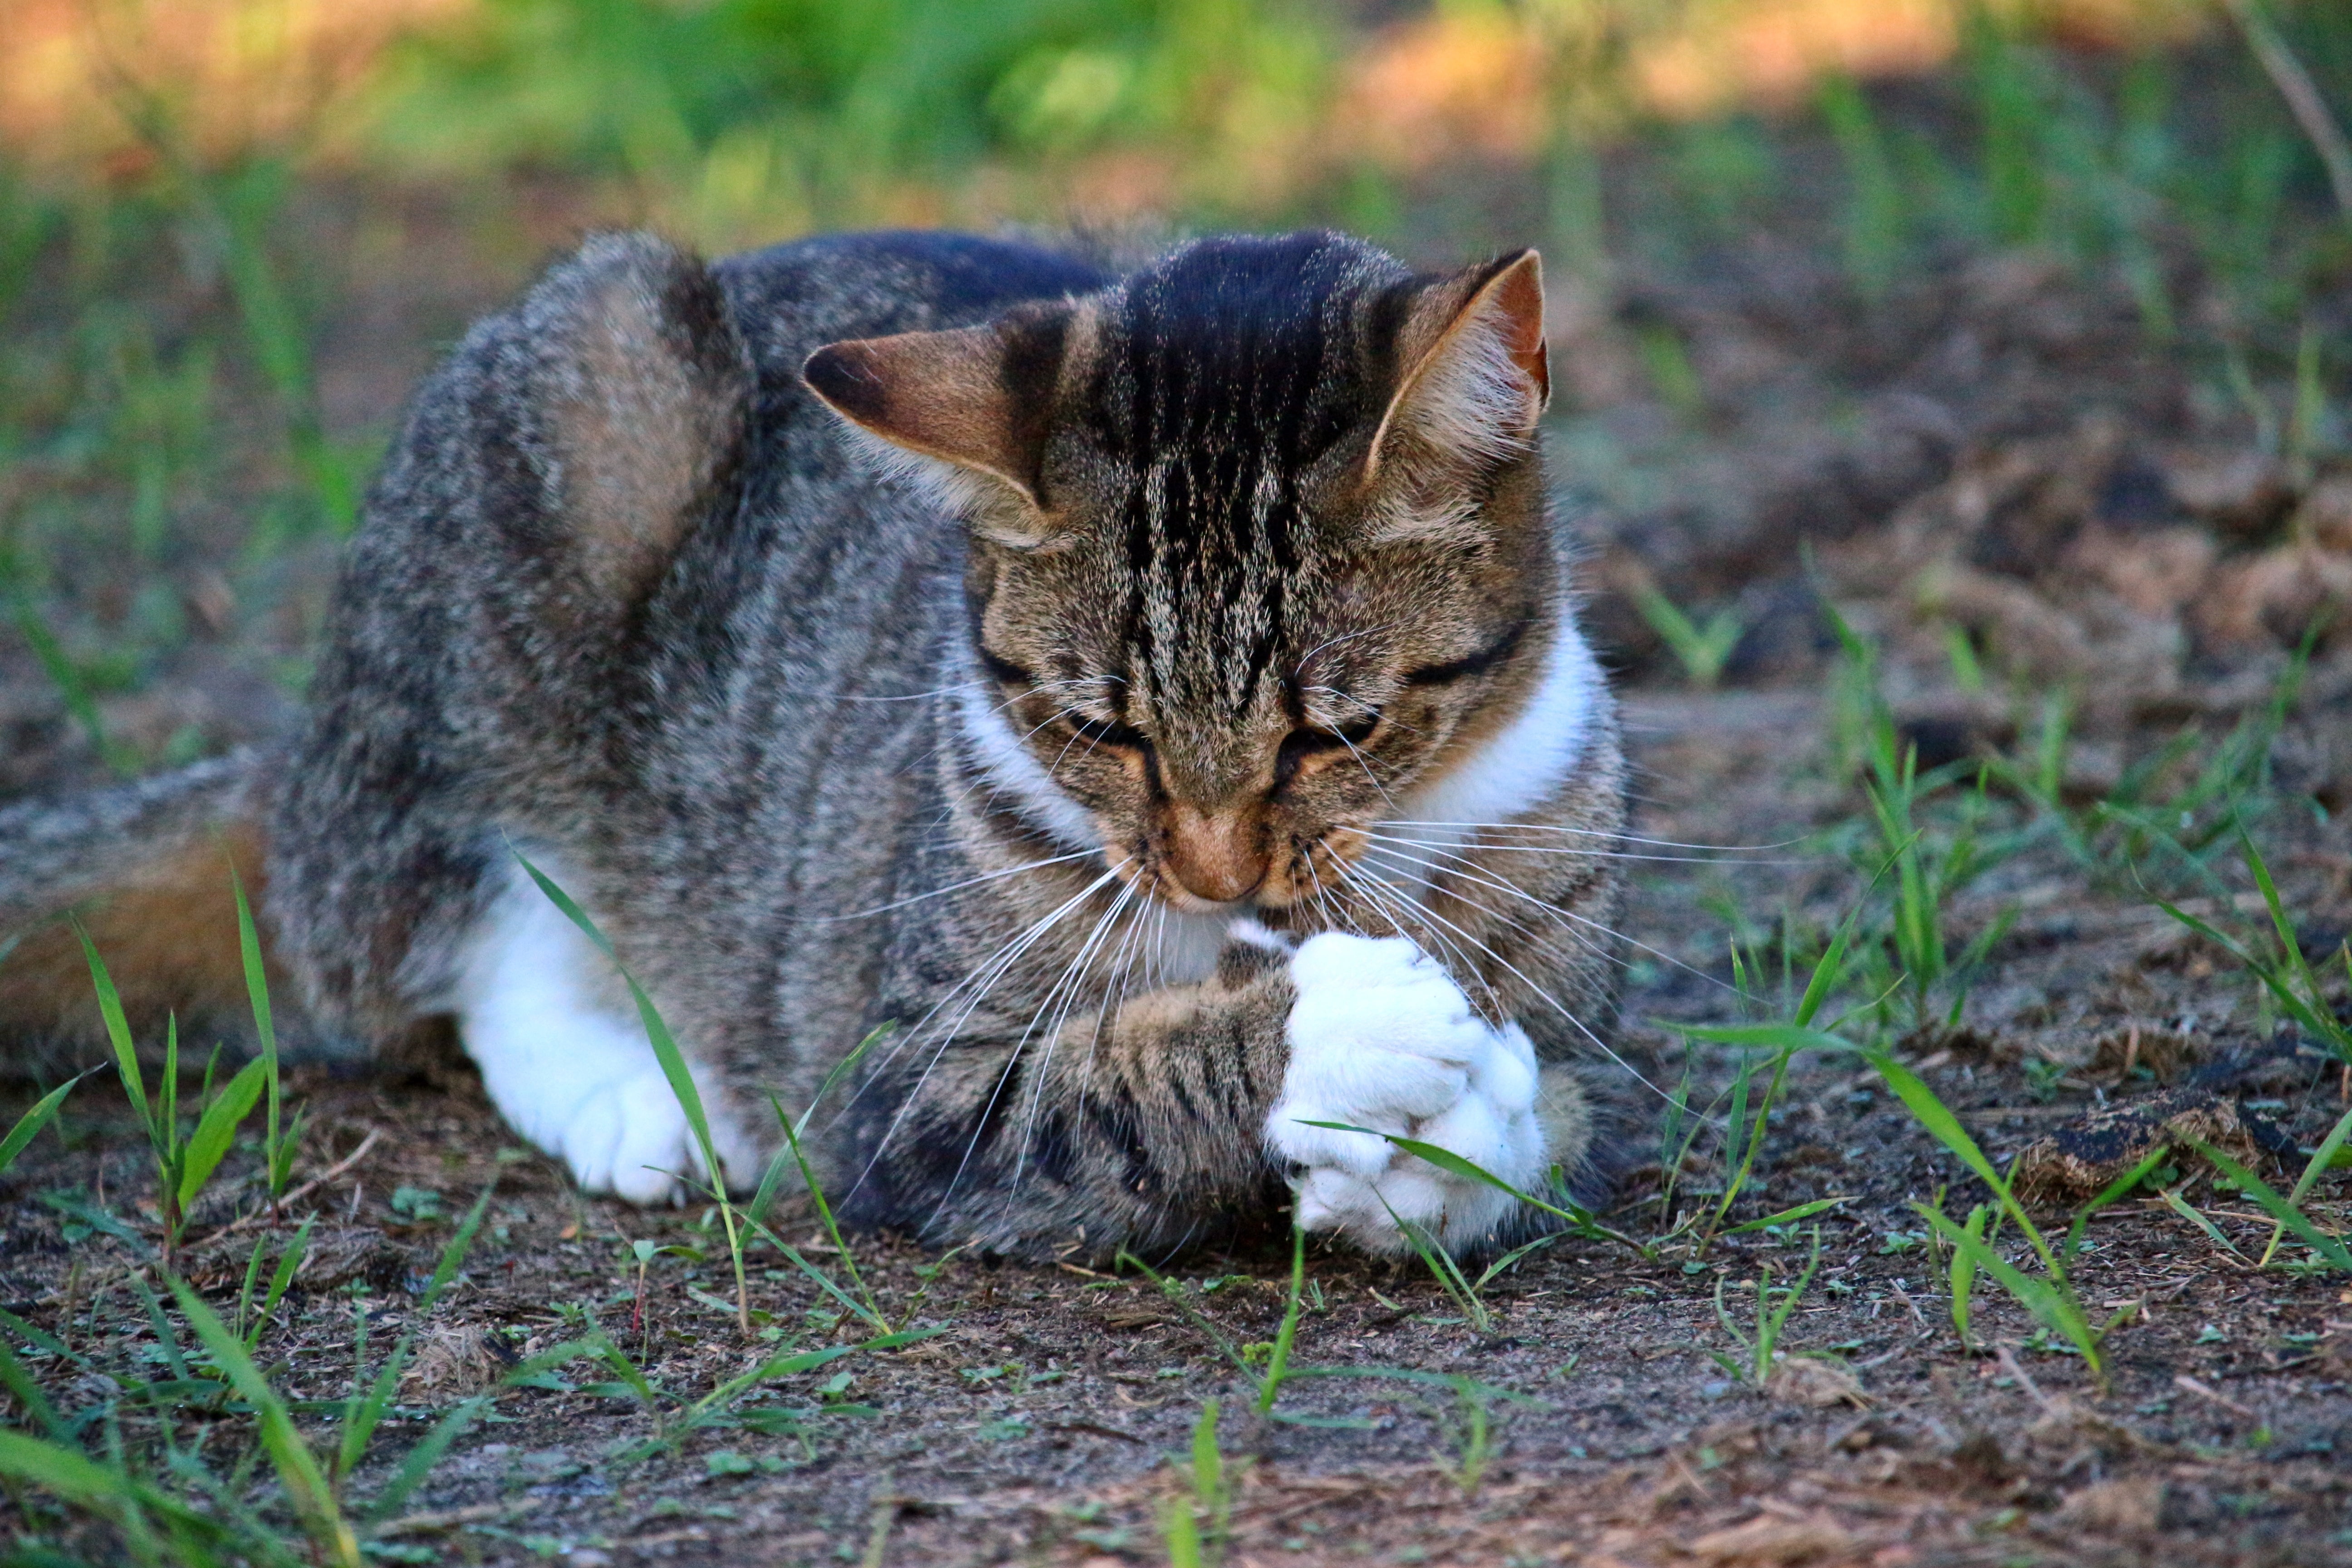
x,y
1474,663
1306,742
1110,732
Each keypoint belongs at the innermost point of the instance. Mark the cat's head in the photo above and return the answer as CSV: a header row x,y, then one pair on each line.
x,y
1259,541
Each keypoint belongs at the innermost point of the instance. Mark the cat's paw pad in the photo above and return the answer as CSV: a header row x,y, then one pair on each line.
x,y
1382,1037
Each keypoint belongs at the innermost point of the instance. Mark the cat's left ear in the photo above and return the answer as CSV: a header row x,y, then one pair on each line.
x,y
964,412
1475,375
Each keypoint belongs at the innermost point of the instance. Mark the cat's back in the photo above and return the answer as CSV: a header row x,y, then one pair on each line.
x,y
789,299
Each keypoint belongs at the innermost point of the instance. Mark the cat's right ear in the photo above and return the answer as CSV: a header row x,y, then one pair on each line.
x,y
963,413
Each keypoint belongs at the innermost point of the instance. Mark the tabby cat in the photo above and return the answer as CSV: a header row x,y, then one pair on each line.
x,y
1155,697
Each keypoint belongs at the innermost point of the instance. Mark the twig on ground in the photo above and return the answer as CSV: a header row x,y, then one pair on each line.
x,y
305,1190
2050,1407
446,1518
2188,1384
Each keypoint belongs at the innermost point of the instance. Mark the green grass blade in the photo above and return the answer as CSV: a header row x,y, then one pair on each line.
x,y
28,1395
1582,1219
419,1461
1939,1119
1735,1126
1441,1265
771,1182
1455,1380
289,1142
68,679
2054,1307
166,1341
1963,1274
265,1028
1790,1215
367,1412
666,1052
297,1467
788,1363
2288,945
1503,1263
216,1129
2322,1024
2330,1248
2322,1158
1183,1535
1175,1296
823,1280
1723,1316
118,1029
1768,1328
2113,1191
1761,1125
74,1475
453,1256
1827,972
42,1338
784,1366
244,1291
28,1126
288,1262
572,912
165,1129
99,1219
1277,1360
872,1311
2190,1212
666,1048
1790,1038
841,1070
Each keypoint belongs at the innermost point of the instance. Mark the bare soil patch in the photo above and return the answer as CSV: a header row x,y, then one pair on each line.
x,y
1036,1427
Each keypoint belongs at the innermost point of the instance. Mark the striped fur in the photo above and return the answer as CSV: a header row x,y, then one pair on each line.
x,y
950,637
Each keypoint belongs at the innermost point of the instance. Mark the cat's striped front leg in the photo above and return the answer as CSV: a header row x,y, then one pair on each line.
x,y
1381,1037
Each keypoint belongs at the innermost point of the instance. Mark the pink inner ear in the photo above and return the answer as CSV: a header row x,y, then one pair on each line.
x,y
1519,299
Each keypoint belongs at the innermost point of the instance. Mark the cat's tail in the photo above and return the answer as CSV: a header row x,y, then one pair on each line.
x,y
144,869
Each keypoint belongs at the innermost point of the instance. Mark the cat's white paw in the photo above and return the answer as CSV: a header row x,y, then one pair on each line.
x,y
1382,1037
571,1071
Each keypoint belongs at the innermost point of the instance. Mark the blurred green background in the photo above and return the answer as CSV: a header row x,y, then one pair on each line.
x,y
233,232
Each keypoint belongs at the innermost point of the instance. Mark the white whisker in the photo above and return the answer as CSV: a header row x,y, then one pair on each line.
x,y
1580,854
1585,833
1073,981
953,888
1471,871
982,979
1554,1002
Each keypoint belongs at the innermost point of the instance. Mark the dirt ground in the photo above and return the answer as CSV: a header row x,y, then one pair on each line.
x,y
1036,1427
1996,452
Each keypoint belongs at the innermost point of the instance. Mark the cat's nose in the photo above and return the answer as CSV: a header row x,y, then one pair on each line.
x,y
1219,856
